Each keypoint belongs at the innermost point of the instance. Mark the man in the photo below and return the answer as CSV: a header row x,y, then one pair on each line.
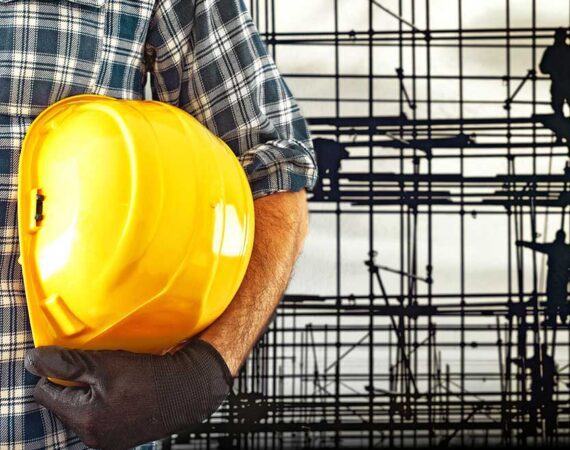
x,y
556,63
557,279
205,57
544,376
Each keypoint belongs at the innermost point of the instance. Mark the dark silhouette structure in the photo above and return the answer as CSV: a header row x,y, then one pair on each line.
x,y
418,330
556,63
557,280
329,155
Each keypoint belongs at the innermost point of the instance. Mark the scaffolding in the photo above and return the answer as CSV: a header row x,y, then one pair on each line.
x,y
428,322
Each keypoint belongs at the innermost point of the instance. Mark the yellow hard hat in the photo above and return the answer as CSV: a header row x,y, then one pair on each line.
x,y
136,225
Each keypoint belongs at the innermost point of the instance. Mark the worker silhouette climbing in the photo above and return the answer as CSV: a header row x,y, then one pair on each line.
x,y
543,382
556,63
557,280
329,154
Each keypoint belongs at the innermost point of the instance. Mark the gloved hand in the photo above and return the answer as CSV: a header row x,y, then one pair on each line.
x,y
130,398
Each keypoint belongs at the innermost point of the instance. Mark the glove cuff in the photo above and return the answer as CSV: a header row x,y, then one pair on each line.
x,y
196,379
211,350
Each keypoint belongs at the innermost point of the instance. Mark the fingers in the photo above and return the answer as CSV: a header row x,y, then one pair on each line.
x,y
57,362
70,405
63,401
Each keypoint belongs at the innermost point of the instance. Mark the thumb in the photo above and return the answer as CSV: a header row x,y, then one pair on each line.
x,y
68,404
57,362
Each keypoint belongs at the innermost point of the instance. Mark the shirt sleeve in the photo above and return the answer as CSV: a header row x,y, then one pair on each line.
x,y
207,57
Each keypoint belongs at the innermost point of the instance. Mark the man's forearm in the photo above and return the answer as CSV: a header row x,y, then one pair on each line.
x,y
281,223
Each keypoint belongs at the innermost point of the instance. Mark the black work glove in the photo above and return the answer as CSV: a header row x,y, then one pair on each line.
x,y
130,398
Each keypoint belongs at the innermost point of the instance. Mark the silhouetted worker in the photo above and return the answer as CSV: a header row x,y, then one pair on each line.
x,y
329,154
557,280
555,62
543,381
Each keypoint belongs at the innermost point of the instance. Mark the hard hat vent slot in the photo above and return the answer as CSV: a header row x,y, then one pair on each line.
x,y
39,215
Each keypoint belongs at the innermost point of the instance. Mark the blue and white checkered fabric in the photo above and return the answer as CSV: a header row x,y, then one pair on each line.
x,y
205,56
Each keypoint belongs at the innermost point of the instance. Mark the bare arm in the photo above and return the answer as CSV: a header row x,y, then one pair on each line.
x,y
281,224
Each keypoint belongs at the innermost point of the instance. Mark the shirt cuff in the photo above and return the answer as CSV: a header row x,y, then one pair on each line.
x,y
280,165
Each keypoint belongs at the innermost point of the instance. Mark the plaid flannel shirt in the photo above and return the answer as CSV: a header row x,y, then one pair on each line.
x,y
205,57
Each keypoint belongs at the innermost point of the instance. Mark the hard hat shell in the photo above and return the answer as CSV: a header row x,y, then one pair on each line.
x,y
136,225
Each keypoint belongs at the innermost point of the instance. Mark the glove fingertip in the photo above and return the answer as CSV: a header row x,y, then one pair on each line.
x,y
31,361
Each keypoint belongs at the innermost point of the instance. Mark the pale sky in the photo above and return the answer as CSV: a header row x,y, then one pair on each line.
x,y
316,15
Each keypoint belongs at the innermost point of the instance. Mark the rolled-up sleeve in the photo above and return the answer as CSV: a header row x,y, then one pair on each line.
x,y
208,58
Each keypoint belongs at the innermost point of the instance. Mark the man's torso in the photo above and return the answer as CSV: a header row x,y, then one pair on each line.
x,y
49,50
